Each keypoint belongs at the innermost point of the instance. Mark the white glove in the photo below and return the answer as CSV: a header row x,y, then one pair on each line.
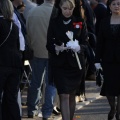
x,y
60,48
98,66
76,49
73,45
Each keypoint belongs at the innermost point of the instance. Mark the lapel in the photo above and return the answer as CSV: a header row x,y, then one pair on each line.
x,y
21,21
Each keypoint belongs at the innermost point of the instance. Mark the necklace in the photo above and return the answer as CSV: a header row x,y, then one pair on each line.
x,y
67,22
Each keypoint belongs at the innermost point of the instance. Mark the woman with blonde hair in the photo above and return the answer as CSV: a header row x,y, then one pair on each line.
x,y
66,71
10,63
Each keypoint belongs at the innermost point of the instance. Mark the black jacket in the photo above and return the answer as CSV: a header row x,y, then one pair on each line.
x,y
108,46
10,55
57,35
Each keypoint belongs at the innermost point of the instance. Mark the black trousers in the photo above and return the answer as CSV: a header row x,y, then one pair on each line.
x,y
9,86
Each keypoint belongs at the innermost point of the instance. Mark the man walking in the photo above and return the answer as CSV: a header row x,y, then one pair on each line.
x,y
37,25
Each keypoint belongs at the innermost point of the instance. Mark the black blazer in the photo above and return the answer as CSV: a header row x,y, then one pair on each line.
x,y
57,35
10,55
100,13
108,46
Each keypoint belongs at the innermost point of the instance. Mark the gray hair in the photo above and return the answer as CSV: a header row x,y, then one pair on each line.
x,y
6,9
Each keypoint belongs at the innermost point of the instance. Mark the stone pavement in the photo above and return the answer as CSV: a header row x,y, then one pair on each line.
x,y
92,93
97,110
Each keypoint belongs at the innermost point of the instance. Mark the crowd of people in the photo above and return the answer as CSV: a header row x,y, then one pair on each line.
x,y
70,40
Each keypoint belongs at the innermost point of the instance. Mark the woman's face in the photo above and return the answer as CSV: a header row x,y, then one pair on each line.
x,y
115,7
67,10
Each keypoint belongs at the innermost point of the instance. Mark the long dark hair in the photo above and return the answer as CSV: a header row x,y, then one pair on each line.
x,y
76,11
57,2
108,8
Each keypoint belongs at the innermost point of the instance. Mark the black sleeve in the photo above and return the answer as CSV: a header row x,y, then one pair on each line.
x,y
100,43
50,38
4,30
84,36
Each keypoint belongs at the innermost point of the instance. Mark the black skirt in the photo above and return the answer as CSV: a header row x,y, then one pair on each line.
x,y
67,79
111,84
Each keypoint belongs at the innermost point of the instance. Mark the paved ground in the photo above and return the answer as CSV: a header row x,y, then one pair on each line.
x,y
92,93
97,110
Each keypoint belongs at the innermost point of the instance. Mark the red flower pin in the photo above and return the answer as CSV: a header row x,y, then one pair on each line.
x,y
77,25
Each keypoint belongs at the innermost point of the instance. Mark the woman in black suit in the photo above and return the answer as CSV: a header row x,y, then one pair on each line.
x,y
10,63
108,54
66,73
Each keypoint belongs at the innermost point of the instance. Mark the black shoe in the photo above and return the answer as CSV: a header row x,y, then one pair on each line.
x,y
55,112
117,116
44,118
111,114
58,109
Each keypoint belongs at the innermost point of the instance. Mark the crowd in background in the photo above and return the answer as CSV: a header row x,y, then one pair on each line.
x,y
69,40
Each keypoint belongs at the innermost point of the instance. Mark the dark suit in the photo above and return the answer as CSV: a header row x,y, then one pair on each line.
x,y
58,29
23,27
10,71
108,46
100,13
108,54
66,73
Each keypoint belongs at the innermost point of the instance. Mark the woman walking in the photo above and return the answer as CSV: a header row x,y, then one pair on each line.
x,y
10,63
108,54
67,74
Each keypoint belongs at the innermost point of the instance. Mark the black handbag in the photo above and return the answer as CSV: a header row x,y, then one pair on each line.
x,y
99,77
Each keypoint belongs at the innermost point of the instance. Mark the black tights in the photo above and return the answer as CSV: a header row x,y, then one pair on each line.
x,y
113,106
67,106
